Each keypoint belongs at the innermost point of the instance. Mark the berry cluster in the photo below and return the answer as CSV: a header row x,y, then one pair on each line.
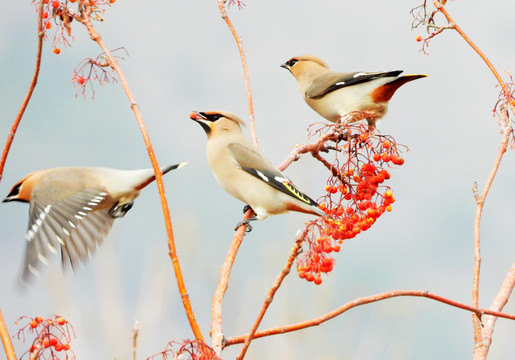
x,y
53,336
355,196
58,11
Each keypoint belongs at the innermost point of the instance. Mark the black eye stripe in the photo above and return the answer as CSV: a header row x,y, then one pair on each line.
x,y
16,190
292,62
211,117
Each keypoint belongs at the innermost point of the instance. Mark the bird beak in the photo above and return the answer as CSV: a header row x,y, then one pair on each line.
x,y
200,118
286,67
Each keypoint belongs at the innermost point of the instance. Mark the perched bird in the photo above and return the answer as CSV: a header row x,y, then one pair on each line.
x,y
347,96
74,207
245,174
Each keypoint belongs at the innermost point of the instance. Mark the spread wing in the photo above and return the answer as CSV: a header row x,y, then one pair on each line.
x,y
68,222
251,161
333,81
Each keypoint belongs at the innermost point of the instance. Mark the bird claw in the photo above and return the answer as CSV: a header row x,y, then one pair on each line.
x,y
119,211
246,208
247,230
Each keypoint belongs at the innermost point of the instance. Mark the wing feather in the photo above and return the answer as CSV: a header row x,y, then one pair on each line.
x,y
69,223
252,162
329,82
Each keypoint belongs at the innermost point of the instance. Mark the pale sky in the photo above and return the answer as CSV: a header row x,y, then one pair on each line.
x,y
182,58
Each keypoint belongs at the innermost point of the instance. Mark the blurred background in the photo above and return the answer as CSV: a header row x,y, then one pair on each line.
x,y
181,58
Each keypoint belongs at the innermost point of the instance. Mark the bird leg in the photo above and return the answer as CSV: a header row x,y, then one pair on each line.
x,y
119,211
246,208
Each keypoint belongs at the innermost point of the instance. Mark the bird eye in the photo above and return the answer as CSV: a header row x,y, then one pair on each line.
x,y
292,62
214,117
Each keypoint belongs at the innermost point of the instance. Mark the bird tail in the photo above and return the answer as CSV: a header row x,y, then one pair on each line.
x,y
385,92
164,170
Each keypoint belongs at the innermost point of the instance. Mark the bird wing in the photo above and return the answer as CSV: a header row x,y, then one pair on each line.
x,y
68,222
252,162
333,81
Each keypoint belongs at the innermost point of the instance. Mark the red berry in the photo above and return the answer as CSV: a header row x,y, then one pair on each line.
x,y
377,157
418,38
66,347
46,344
53,342
45,15
34,324
318,280
55,4
386,157
58,347
61,321
386,144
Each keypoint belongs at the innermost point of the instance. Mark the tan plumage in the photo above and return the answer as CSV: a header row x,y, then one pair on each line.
x,y
73,208
347,96
245,173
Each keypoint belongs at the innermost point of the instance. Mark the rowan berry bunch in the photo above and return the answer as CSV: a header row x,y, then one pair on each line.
x,y
53,337
61,15
356,195
189,350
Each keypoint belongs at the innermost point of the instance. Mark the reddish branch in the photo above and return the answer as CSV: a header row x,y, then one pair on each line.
x,y
480,200
270,295
10,136
217,336
6,339
223,12
85,19
363,301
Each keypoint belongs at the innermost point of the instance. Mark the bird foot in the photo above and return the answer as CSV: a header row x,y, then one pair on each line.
x,y
246,208
119,211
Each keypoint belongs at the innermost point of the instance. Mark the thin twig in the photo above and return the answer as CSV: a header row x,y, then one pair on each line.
x,y
135,332
294,252
166,212
363,301
217,335
223,12
10,136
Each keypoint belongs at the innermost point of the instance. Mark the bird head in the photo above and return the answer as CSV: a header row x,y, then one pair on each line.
x,y
22,191
215,122
305,65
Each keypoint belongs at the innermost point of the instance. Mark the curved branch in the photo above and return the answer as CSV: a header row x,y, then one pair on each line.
x,y
507,131
363,301
10,136
223,12
166,212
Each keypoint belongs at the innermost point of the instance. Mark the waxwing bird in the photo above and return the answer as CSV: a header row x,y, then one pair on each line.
x,y
74,207
347,96
244,172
